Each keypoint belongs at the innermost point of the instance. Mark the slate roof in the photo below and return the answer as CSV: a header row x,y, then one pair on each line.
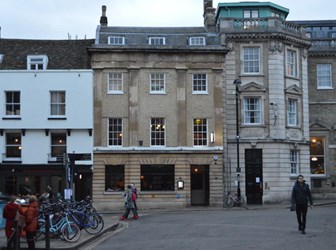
x,y
176,37
62,54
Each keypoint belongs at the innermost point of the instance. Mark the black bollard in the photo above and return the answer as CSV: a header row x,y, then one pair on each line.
x,y
47,230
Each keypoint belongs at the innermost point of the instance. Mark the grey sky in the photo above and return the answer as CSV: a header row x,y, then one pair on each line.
x,y
59,19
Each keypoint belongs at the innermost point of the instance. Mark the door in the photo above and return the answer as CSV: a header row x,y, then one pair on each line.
x,y
199,177
253,180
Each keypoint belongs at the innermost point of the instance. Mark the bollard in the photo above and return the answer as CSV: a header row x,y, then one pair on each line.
x,y
16,236
47,230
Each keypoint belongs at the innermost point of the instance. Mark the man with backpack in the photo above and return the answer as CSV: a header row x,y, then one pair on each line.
x,y
129,197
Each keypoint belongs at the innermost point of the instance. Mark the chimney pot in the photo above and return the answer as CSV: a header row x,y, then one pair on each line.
x,y
103,18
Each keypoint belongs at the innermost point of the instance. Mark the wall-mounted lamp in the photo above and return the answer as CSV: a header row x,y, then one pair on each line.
x,y
212,137
314,158
215,157
180,184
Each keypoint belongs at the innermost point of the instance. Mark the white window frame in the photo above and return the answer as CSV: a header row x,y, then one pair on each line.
x,y
116,40
157,83
197,41
115,132
157,40
57,106
200,127
251,59
255,114
324,76
292,112
294,157
13,104
291,63
115,83
37,62
157,132
200,83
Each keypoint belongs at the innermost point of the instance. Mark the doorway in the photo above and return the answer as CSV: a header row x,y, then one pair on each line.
x,y
199,177
254,176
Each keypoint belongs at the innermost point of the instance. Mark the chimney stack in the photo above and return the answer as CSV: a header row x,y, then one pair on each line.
x,y
103,18
209,16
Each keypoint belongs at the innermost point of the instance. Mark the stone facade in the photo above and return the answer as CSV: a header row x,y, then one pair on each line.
x,y
273,110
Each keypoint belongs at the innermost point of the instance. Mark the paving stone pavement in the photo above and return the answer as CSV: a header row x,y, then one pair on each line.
x,y
112,223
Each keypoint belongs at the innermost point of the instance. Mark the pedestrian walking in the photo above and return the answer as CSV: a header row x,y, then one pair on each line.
x,y
300,196
31,215
135,196
129,204
9,213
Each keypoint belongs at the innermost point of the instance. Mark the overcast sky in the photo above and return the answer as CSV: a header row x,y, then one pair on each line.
x,y
61,19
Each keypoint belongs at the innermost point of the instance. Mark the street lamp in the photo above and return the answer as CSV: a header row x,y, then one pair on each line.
x,y
237,83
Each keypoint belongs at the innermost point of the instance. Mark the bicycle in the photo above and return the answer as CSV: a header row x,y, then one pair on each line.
x,y
92,223
60,226
230,201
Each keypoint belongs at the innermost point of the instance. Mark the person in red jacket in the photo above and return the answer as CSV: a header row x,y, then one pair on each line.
x,y
9,213
31,215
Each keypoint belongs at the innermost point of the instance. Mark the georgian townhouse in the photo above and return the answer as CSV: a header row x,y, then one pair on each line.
x,y
169,118
158,115
46,110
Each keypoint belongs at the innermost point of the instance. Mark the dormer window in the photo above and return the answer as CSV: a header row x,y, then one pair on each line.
x,y
196,40
38,62
116,40
157,40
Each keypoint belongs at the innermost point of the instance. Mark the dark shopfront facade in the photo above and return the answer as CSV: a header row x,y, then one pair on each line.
x,y
23,180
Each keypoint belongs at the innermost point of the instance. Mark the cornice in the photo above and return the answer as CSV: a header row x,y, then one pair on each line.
x,y
267,36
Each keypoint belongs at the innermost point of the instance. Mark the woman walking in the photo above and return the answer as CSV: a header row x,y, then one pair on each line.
x,y
129,204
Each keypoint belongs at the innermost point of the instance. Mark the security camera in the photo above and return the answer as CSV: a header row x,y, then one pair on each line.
x,y
215,157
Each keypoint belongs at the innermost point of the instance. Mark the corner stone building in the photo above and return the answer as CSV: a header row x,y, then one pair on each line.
x,y
165,108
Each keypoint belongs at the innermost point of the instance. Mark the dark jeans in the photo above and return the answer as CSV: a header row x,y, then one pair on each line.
x,y
301,214
30,236
128,210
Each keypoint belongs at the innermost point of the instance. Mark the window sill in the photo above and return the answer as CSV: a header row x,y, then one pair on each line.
x,y
11,161
115,93
157,93
293,77
11,118
200,92
324,88
57,118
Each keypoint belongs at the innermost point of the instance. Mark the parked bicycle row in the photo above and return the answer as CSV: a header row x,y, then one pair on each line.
x,y
67,219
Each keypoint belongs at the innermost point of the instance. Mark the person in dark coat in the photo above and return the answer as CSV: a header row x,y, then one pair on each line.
x,y
9,213
50,193
300,196
31,215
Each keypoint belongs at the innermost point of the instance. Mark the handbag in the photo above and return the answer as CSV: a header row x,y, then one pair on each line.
x,y
21,220
292,207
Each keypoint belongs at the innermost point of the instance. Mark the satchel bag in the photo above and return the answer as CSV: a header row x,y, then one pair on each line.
x,y
21,220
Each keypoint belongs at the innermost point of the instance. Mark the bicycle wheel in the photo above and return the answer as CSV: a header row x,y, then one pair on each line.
x,y
228,202
70,232
241,202
95,224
